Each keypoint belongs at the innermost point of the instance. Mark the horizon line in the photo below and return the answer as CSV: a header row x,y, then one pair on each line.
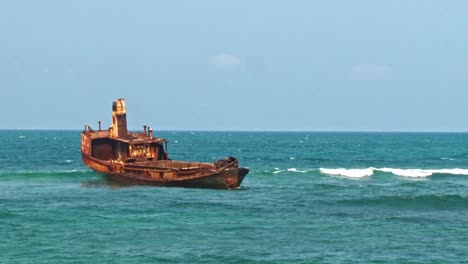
x,y
252,131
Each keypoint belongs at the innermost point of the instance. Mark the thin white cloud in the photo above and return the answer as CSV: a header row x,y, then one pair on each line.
x,y
371,71
224,61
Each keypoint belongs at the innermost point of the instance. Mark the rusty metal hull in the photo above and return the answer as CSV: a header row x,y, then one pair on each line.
x,y
229,177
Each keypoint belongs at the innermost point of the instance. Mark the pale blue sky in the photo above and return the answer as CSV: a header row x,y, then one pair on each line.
x,y
236,65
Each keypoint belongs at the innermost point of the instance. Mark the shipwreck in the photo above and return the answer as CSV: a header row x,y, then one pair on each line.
x,y
142,158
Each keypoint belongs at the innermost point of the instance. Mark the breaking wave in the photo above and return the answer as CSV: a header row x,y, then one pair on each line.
x,y
296,170
412,173
352,173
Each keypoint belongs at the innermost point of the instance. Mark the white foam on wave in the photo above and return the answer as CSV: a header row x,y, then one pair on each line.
x,y
455,171
424,173
296,170
277,170
447,158
411,173
414,173
352,173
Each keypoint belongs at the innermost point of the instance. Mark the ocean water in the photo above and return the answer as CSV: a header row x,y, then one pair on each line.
x,y
309,198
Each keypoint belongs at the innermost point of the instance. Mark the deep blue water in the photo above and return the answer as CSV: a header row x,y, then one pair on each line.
x,y
309,198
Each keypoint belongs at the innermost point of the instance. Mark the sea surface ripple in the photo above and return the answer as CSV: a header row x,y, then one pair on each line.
x,y
309,198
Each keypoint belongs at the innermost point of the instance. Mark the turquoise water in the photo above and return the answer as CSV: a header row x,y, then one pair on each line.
x,y
309,198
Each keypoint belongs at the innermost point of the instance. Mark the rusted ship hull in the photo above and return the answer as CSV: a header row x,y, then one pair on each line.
x,y
213,178
228,179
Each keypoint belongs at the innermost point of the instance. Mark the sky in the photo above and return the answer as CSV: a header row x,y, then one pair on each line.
x,y
249,65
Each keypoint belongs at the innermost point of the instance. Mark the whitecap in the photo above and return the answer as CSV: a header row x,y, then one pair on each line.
x,y
411,173
68,161
447,158
455,171
415,173
22,137
296,170
352,173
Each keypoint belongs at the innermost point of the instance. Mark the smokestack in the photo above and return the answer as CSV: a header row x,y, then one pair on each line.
x,y
144,129
150,133
99,122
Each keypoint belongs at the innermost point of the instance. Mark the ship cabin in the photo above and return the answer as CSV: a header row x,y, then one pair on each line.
x,y
117,143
